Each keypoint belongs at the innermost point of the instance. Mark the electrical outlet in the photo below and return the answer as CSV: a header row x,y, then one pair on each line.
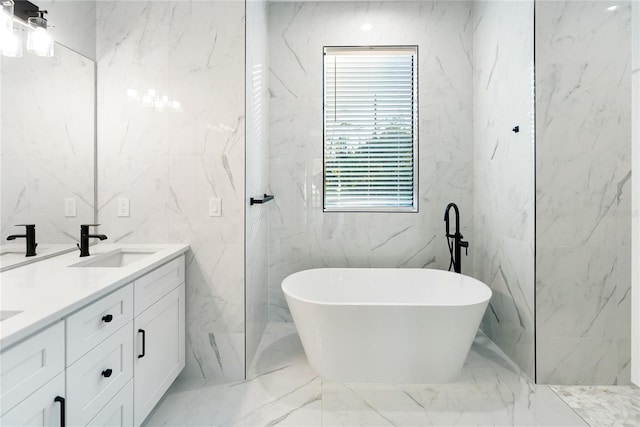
x,y
123,206
70,207
215,206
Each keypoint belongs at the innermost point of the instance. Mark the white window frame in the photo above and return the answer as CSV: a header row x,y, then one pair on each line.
x,y
368,50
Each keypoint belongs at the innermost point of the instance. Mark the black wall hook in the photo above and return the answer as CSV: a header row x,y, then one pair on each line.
x,y
516,129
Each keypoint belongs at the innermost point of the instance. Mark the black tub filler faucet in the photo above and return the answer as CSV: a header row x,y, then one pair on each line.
x,y
454,241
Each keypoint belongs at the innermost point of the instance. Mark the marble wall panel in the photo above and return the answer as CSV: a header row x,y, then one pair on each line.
x,y
257,174
635,363
47,146
583,191
301,235
171,131
503,98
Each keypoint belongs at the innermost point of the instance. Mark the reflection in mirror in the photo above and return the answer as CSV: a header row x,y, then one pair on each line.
x,y
46,150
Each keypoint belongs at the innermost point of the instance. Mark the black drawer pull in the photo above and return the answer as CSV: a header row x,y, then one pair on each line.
x,y
144,339
107,318
107,373
62,416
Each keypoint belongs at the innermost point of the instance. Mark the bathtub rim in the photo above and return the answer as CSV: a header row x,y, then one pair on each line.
x,y
288,294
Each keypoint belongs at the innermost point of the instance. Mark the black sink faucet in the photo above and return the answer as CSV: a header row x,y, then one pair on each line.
x,y
30,236
454,247
85,236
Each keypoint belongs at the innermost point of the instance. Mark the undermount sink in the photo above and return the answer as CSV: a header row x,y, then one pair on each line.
x,y
115,259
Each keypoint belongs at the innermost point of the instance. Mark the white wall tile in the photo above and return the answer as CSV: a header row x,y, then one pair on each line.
x,y
583,194
503,172
301,235
47,150
170,162
257,173
635,364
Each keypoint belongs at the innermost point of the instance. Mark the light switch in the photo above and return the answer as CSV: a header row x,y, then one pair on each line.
x,y
215,206
70,207
123,206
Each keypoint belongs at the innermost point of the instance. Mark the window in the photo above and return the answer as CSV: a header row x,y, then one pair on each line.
x,y
370,129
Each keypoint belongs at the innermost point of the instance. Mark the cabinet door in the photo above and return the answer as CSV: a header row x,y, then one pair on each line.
x,y
118,412
40,408
159,355
27,366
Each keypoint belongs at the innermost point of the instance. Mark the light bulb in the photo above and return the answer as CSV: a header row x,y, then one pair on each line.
x,y
39,41
6,20
11,45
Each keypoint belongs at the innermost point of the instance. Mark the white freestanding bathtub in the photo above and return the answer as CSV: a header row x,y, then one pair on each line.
x,y
386,325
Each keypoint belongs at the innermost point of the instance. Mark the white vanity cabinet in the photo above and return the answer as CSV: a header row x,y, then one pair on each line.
x,y
43,407
160,342
106,364
99,342
33,387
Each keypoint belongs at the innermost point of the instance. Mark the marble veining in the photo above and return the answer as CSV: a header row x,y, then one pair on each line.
x,y
257,174
583,194
503,172
603,405
281,389
301,236
47,149
170,163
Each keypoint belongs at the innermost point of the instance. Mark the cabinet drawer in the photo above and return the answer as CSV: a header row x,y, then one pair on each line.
x,y
119,410
40,408
90,385
30,364
94,323
157,283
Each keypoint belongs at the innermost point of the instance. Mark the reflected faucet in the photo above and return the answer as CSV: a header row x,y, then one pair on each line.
x,y
85,236
454,241
30,236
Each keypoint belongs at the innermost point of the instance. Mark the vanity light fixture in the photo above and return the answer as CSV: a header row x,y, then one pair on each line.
x,y
10,43
21,15
39,40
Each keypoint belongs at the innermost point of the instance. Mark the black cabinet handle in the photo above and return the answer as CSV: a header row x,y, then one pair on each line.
x,y
144,338
62,416
107,318
265,199
107,373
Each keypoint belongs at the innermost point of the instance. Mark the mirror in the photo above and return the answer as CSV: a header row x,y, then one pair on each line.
x,y
47,150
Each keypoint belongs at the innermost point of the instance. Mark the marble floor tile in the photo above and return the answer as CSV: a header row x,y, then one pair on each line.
x,y
281,389
188,403
603,405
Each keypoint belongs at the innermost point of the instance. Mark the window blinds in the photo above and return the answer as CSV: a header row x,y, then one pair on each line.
x,y
370,129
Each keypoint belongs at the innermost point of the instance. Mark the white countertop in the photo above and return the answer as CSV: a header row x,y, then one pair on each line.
x,y
48,290
12,255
